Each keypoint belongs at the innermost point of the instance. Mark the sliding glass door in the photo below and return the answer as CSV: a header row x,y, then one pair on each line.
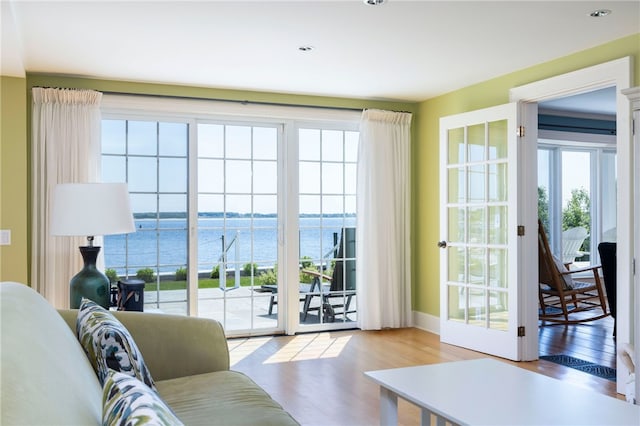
x,y
249,221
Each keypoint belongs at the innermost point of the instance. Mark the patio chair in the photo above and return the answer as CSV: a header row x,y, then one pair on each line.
x,y
561,297
273,289
572,240
336,301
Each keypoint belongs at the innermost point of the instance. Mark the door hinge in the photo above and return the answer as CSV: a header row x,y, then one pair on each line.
x,y
520,231
520,131
521,331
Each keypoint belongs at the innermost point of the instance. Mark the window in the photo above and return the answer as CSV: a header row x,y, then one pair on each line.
x,y
577,188
216,207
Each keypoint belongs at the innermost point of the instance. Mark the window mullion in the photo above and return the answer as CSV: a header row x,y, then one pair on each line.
x,y
192,212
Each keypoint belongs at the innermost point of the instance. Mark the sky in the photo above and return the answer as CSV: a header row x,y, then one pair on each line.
x,y
576,172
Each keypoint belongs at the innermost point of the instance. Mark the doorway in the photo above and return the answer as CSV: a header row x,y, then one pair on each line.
x,y
577,205
577,174
614,73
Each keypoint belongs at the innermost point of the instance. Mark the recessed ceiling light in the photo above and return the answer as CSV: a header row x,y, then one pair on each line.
x,y
305,48
600,13
374,2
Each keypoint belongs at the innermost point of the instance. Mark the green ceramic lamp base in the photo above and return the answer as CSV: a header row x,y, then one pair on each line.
x,y
89,282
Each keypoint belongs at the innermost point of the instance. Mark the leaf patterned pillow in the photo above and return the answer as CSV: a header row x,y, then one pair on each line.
x,y
128,401
108,344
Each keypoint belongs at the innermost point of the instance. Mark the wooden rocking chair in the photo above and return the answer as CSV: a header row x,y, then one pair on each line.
x,y
561,297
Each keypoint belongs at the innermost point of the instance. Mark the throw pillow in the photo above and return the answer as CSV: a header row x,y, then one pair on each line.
x,y
108,344
568,280
128,401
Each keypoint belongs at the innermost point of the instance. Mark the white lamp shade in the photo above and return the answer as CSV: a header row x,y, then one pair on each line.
x,y
90,209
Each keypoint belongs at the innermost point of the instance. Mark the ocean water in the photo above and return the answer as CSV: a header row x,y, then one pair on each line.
x,y
164,243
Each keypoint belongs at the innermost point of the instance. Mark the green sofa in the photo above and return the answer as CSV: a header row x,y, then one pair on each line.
x,y
46,378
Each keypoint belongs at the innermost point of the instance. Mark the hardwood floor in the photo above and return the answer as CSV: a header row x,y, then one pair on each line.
x,y
591,341
318,377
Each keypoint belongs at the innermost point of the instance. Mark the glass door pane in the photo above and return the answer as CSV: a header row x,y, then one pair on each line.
x,y
608,196
477,217
238,225
151,156
576,207
327,221
544,190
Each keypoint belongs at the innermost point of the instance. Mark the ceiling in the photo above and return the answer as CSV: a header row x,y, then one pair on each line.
x,y
402,50
597,102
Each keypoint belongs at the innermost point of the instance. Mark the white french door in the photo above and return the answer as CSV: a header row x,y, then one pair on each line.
x,y
479,228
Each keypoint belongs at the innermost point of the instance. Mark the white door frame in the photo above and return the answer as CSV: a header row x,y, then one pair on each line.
x,y
618,73
634,97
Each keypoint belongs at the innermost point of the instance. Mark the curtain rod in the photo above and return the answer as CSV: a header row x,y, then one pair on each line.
x,y
243,102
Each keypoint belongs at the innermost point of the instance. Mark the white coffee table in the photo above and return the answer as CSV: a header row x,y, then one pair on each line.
x,y
491,392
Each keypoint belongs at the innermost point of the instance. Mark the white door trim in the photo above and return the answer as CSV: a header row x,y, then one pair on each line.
x,y
634,97
618,73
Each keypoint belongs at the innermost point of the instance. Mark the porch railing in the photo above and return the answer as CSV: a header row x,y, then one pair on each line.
x,y
223,261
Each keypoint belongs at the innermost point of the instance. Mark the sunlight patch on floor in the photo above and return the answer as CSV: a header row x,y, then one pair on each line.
x,y
310,346
239,349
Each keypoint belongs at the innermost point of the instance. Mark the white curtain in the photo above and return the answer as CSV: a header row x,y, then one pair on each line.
x,y
65,148
383,221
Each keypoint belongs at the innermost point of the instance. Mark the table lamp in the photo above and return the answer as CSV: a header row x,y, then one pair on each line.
x,y
90,209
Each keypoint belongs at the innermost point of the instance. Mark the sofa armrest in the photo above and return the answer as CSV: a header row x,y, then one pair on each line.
x,y
172,345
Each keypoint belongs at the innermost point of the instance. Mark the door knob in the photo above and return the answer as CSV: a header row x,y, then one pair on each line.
x,y
442,244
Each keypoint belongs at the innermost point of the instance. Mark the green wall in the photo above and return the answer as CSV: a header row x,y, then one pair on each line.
x,y
13,178
425,190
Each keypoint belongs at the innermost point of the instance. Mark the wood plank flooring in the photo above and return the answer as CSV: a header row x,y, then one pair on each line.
x,y
318,377
590,341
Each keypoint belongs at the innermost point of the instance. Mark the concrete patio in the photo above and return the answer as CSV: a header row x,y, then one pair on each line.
x,y
240,309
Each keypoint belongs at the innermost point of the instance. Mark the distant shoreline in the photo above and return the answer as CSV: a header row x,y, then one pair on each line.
x,y
183,215
163,243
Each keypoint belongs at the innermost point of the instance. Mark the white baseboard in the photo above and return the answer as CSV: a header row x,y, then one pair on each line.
x,y
426,322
